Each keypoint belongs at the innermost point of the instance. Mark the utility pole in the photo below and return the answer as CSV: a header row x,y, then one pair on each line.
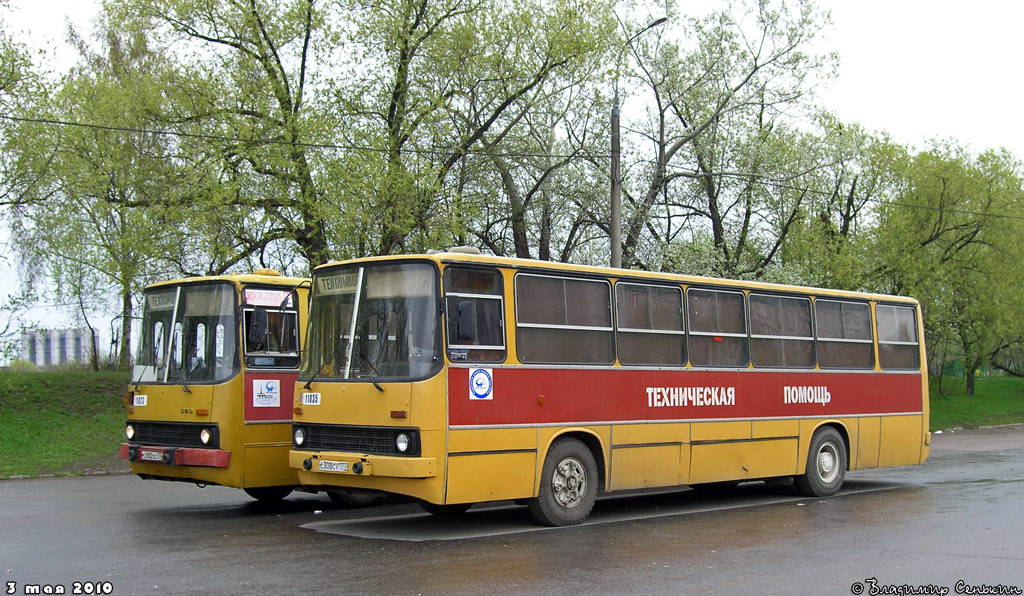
x,y
616,200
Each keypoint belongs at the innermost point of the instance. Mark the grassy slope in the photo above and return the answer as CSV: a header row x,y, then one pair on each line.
x,y
56,423
64,423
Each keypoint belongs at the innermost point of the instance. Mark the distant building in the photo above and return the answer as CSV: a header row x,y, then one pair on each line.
x,y
53,347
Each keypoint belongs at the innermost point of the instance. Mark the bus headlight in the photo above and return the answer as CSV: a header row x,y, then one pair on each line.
x,y
205,435
129,431
300,437
402,442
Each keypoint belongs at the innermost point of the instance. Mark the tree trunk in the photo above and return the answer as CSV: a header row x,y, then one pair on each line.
x,y
975,365
125,353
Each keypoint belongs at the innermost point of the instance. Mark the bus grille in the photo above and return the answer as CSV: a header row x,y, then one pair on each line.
x,y
169,434
353,439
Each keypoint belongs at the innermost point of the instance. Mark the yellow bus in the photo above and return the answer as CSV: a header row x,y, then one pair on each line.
x,y
210,400
457,378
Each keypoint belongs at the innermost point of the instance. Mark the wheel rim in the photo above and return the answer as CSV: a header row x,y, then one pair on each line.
x,y
828,463
569,482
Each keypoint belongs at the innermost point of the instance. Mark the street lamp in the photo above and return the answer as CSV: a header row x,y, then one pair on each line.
x,y
616,224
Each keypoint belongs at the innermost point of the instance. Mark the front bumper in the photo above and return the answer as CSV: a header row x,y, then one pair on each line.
x,y
176,456
352,464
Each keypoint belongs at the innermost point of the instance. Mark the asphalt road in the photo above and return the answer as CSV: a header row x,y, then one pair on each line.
x,y
956,522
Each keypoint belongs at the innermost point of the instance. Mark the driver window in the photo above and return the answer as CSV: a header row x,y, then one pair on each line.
x,y
271,334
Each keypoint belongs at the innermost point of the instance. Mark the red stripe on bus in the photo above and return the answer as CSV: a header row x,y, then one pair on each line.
x,y
576,395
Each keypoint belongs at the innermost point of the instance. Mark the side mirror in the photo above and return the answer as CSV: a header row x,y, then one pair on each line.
x,y
258,326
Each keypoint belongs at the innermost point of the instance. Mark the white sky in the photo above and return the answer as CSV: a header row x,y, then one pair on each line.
x,y
918,69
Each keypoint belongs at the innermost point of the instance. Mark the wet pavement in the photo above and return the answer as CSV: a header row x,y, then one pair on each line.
x,y
956,522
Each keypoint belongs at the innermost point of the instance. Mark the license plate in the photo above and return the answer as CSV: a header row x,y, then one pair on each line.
x,y
311,399
333,466
147,455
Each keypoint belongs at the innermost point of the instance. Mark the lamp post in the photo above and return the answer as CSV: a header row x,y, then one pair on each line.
x,y
616,223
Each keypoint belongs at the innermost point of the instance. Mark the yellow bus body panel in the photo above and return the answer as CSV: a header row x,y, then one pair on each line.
x,y
649,455
868,443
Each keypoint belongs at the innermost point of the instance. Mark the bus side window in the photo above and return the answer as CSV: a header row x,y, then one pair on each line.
x,y
271,337
475,310
649,327
718,328
780,332
561,320
898,346
843,334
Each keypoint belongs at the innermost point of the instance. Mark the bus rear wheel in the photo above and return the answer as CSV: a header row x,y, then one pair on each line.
x,y
568,485
268,494
826,464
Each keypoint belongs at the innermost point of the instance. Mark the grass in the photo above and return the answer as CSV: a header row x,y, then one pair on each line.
x,y
59,423
996,400
65,423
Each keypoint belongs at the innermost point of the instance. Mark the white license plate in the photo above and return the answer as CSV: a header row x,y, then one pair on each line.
x,y
151,455
311,399
333,466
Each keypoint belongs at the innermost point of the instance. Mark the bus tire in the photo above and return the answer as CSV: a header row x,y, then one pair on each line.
x,y
568,485
268,494
453,510
826,464
353,497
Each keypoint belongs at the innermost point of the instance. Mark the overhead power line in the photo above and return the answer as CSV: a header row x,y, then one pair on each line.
x,y
258,141
448,150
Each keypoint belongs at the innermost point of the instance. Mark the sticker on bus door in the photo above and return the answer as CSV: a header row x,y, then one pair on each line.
x,y
266,393
481,384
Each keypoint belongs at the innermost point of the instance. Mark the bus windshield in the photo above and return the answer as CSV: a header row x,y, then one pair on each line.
x,y
188,335
374,322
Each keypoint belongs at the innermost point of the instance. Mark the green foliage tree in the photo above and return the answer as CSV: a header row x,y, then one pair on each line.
x,y
951,237
441,80
79,223
724,160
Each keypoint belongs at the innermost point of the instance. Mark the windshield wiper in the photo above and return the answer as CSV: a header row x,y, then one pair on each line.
x,y
368,370
334,355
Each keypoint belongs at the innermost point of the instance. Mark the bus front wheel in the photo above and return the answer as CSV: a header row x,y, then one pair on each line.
x,y
568,485
826,464
268,494
353,497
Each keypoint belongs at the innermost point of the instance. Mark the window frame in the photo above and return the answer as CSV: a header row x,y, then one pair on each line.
x,y
818,339
610,329
745,336
916,343
451,348
651,331
809,338
288,309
